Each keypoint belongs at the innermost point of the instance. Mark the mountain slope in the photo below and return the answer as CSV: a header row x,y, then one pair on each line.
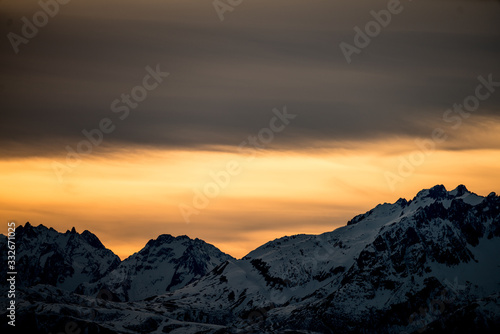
x,y
64,260
163,265
440,237
426,265
395,254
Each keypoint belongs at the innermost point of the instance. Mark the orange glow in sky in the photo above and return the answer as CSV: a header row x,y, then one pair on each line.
x,y
128,198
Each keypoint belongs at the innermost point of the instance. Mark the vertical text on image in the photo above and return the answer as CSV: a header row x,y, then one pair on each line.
x,y
11,272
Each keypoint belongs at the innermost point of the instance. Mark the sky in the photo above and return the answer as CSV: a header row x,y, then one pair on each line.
x,y
238,122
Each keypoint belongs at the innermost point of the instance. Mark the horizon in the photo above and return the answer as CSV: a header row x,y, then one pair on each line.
x,y
123,257
241,124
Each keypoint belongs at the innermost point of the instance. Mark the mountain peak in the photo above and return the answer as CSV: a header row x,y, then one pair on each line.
x,y
424,197
92,239
402,202
459,191
63,260
164,264
161,239
436,192
168,239
439,192
30,230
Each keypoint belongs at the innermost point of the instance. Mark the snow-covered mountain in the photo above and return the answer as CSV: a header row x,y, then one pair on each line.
x,y
426,265
64,260
402,254
80,263
163,265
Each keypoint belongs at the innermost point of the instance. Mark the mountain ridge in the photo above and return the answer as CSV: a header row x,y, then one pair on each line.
x,y
393,247
388,270
165,263
434,192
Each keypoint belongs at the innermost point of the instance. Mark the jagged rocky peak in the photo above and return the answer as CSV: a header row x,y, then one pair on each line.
x,y
164,239
65,260
437,195
29,229
439,192
92,239
436,192
460,190
402,202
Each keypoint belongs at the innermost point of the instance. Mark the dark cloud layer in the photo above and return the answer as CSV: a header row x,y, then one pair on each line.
x,y
225,77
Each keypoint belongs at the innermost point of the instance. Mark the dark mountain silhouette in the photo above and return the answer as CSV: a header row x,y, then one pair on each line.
x,y
425,265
